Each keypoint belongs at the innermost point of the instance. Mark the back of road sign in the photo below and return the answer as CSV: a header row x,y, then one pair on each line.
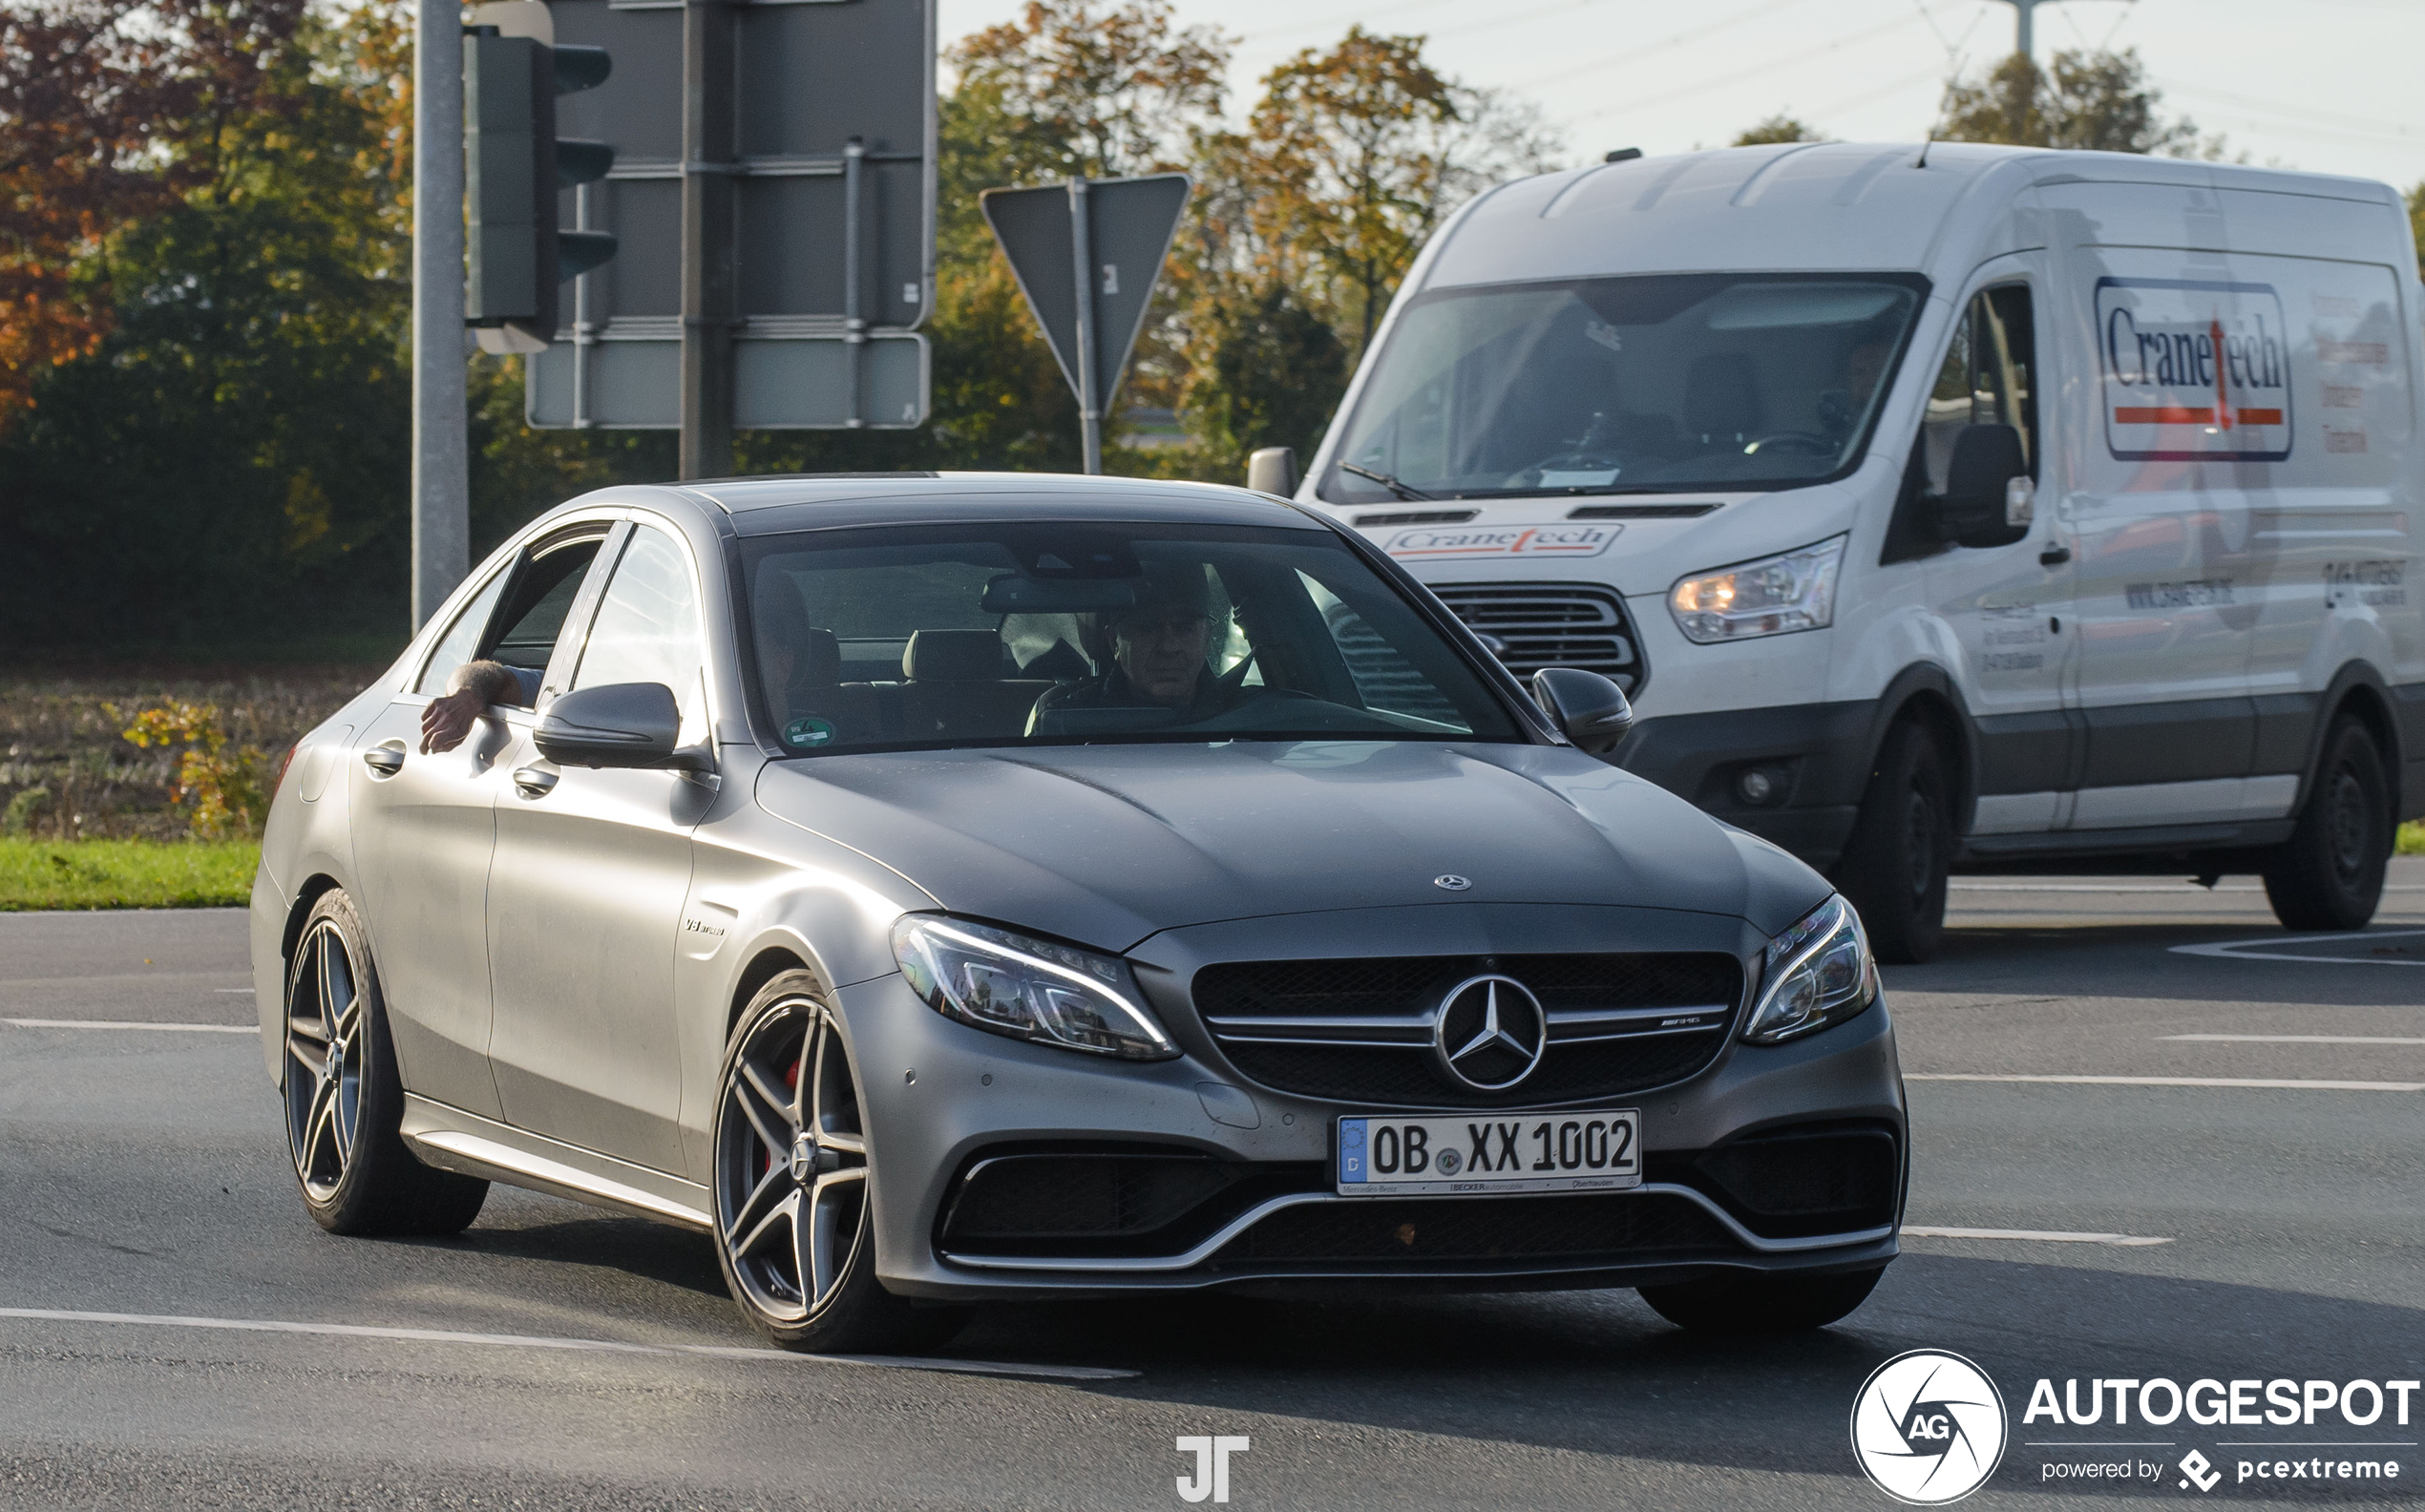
x,y
834,126
1129,224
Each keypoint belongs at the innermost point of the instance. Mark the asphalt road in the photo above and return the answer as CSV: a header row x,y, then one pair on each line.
x,y
555,1356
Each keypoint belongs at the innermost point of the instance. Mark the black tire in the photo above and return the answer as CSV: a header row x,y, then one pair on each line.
x,y
344,1100
1783,1304
2328,874
794,1225
1895,865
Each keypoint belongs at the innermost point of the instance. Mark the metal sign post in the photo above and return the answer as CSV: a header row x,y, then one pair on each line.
x,y
441,448
1087,256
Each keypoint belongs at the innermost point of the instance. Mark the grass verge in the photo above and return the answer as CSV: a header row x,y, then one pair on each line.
x,y
125,874
2413,838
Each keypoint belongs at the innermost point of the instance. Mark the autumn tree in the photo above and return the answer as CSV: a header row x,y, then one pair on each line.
x,y
1351,159
2096,100
1781,127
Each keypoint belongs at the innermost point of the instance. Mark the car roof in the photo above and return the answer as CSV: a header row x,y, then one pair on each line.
x,y
759,506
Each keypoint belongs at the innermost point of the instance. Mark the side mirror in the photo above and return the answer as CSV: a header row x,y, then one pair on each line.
x,y
618,724
1592,710
1272,470
1980,502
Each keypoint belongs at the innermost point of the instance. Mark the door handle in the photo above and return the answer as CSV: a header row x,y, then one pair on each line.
x,y
387,758
2053,556
533,782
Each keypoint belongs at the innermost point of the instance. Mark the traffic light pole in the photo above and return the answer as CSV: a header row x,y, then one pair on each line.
x,y
710,300
441,467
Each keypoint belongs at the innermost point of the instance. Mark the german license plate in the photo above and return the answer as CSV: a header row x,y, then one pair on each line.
x,y
1453,1154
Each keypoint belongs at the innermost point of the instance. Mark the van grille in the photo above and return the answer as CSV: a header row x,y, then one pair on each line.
x,y
1554,625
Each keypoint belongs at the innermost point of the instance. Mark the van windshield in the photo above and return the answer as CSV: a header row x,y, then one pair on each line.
x,y
1635,385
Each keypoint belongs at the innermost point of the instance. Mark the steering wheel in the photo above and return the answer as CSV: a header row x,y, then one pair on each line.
x,y
1799,440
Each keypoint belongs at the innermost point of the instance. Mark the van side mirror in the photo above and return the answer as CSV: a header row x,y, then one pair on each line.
x,y
629,725
1272,470
1592,710
1980,501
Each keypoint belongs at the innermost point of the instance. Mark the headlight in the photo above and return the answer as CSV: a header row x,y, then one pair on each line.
x,y
1816,974
1028,989
1773,595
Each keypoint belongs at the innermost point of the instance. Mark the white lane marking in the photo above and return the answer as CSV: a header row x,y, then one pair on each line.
x,y
2269,948
246,991
2220,1039
2178,890
117,1023
542,1341
2177,1081
2049,1235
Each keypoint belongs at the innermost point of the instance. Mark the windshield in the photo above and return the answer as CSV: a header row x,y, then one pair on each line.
x,y
969,635
1626,385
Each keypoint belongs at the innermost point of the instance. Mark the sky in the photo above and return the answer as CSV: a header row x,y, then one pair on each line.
x,y
2329,86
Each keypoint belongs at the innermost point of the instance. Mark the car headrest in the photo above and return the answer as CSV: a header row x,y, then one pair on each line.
x,y
820,661
953,656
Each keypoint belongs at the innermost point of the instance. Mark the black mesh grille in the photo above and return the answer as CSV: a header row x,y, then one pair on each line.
x,y
1244,999
1806,1181
1129,1201
1614,1228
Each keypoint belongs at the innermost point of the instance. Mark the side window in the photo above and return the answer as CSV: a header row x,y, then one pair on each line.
x,y
461,641
1988,377
647,628
533,616
1385,679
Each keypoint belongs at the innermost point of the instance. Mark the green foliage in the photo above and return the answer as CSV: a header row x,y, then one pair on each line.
x,y
2412,838
126,874
2093,100
1269,371
2417,222
1781,127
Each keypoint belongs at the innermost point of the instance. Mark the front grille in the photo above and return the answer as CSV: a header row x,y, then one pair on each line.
x,y
1578,1230
1359,1030
1554,625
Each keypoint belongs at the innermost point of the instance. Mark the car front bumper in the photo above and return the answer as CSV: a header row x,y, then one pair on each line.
x,y
939,1097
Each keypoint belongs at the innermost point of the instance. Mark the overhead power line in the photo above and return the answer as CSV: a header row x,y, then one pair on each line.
x,y
1646,49
1732,75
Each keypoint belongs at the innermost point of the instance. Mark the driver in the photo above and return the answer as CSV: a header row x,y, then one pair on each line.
x,y
1158,647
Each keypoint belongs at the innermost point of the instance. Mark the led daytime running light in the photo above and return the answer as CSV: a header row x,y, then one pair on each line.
x,y
1027,989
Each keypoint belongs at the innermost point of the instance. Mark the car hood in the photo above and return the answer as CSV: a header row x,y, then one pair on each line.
x,y
1106,845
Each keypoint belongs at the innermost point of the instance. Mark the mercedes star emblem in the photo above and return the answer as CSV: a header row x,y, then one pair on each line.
x,y
1452,882
1489,1032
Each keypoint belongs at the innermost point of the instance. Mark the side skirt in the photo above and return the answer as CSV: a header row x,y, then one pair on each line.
x,y
454,1140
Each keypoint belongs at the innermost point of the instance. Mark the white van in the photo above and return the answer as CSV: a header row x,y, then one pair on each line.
x,y
1968,509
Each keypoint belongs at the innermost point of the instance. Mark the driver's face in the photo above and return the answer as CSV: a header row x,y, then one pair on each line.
x,y
1162,654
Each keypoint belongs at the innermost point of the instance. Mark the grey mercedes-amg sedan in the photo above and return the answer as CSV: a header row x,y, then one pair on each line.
x,y
935,888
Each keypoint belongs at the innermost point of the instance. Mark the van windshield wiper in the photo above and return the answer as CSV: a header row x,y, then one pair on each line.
x,y
1403,491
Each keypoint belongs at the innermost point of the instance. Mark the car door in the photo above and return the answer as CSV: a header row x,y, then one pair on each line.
x,y
424,829
586,889
2006,603
2181,411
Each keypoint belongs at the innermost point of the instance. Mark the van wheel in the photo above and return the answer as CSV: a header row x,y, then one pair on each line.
x,y
1763,1304
2328,874
1902,846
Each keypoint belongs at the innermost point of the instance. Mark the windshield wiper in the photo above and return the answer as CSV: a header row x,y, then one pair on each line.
x,y
1403,491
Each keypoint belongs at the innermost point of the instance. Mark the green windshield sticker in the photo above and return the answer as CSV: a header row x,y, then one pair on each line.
x,y
808,731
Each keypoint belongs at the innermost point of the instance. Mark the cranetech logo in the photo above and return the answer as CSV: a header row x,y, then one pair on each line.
x,y
1488,1032
1928,1427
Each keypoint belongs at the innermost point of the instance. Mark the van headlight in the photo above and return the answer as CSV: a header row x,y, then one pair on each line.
x,y
1795,590
1028,989
1816,974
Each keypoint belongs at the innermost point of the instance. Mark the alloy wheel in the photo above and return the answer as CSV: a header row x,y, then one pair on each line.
x,y
791,1163
325,1051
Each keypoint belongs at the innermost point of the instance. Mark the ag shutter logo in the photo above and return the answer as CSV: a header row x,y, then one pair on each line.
x,y
2193,370
1928,1427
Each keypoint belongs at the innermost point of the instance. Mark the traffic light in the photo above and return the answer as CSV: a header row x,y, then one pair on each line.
x,y
514,167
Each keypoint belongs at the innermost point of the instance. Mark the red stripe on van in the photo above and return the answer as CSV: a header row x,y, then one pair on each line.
x,y
2260,417
2167,414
